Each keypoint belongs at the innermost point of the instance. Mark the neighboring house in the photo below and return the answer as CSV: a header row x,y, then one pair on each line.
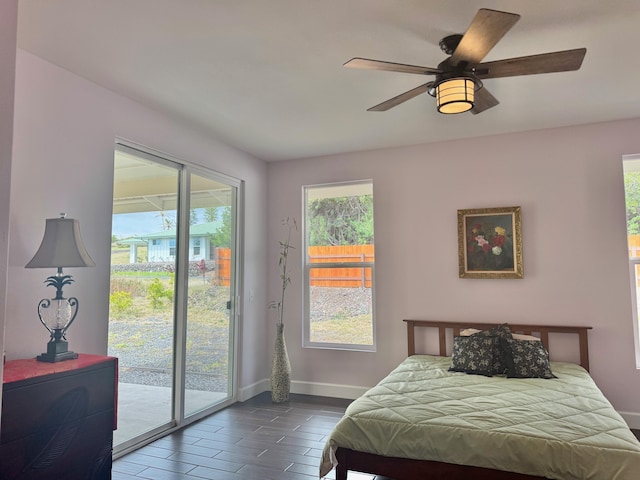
x,y
161,246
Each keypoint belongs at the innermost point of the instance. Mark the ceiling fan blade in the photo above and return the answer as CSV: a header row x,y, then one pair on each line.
x,y
564,61
483,101
485,30
403,97
390,66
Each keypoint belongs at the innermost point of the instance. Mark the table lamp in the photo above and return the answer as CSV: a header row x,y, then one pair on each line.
x,y
61,247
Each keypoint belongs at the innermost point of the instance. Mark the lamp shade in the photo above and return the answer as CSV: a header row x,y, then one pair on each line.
x,y
61,246
455,95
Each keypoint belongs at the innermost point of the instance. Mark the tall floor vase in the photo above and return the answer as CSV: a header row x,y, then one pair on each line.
x,y
280,369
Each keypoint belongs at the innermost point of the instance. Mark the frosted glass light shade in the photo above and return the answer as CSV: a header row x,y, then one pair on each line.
x,y
455,95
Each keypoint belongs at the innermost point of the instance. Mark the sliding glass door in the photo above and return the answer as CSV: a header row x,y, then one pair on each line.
x,y
173,276
208,348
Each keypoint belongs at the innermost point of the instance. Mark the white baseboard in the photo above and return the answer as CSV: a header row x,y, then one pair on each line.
x,y
328,390
251,391
304,388
632,419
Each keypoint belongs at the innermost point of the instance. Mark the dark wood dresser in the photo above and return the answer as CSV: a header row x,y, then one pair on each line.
x,y
58,419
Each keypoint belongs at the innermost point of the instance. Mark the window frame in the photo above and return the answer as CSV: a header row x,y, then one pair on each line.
x,y
631,163
307,266
633,268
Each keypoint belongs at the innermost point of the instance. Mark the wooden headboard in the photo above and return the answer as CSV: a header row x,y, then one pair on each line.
x,y
454,328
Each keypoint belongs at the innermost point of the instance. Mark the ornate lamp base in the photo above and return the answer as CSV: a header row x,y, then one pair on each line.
x,y
57,351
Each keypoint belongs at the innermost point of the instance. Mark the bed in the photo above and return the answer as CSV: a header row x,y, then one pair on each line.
x,y
425,422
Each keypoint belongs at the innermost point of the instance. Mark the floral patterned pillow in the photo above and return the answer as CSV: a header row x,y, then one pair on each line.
x,y
500,352
528,359
473,354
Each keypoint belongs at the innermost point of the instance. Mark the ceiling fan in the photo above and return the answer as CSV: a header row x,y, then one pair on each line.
x,y
458,79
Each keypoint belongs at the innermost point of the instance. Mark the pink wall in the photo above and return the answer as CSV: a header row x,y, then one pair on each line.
x,y
569,184
65,129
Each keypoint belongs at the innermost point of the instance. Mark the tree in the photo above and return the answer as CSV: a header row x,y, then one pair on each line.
x,y
211,214
632,200
222,236
168,223
340,220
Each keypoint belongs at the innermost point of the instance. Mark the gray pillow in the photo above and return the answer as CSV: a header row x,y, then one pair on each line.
x,y
473,354
500,353
528,359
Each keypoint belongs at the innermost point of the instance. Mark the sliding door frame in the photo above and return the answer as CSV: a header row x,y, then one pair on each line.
x,y
185,170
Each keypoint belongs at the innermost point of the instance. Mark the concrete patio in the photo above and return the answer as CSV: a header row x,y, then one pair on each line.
x,y
141,408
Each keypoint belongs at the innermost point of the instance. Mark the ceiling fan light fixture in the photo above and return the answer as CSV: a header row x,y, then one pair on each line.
x,y
457,77
455,95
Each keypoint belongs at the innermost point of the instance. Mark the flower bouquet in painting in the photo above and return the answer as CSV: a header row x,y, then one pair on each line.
x,y
489,246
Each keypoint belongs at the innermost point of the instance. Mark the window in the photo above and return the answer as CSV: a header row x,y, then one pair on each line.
x,y
631,168
172,247
339,266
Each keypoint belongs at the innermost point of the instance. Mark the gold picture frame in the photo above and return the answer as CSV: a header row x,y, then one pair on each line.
x,y
490,243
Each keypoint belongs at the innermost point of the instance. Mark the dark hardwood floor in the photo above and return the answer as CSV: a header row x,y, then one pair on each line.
x,y
254,440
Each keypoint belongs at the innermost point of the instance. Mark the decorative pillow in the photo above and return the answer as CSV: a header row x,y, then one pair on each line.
x,y
502,334
528,359
473,354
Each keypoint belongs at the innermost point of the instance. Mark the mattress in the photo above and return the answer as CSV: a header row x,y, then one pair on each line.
x,y
562,428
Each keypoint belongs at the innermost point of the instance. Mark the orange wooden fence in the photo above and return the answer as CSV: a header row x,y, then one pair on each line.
x,y
634,245
634,252
351,277
223,266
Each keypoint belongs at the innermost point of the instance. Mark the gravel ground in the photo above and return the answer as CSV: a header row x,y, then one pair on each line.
x,y
144,347
327,303
144,354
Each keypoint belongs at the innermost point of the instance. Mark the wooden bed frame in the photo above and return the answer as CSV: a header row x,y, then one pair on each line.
x,y
409,469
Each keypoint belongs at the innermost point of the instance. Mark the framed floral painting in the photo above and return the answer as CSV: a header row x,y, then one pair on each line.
x,y
490,243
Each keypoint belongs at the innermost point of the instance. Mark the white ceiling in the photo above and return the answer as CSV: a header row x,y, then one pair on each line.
x,y
266,76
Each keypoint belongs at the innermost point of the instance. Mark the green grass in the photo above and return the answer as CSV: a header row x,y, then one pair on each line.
x,y
120,255
206,304
145,333
350,330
